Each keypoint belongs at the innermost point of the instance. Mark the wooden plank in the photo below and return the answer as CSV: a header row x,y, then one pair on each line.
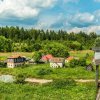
x,y
97,61
97,75
98,95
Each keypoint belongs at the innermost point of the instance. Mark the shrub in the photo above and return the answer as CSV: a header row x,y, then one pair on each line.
x,y
37,56
20,79
62,83
82,62
56,49
2,64
97,42
44,71
73,63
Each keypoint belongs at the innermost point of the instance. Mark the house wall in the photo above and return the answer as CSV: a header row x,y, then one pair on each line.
x,y
14,62
12,65
56,65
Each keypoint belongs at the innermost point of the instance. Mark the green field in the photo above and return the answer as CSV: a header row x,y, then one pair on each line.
x,y
60,73
46,92
80,91
50,91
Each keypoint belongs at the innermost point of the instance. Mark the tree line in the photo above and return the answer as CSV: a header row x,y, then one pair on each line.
x,y
29,40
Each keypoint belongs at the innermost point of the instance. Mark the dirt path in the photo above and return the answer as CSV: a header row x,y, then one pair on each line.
x,y
98,95
42,81
85,81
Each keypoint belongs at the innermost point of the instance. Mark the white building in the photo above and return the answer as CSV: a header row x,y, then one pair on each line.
x,y
57,62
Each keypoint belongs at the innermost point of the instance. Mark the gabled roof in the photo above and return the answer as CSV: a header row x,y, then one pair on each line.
x,y
57,60
14,56
47,57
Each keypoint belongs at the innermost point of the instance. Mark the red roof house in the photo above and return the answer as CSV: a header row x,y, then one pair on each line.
x,y
46,58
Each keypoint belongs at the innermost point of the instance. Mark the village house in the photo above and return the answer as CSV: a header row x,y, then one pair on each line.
x,y
57,62
15,61
46,58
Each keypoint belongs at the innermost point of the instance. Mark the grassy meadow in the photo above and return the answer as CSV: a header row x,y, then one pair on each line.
x,y
47,92
50,91
60,73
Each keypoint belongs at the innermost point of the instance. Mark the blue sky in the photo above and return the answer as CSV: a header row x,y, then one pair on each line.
x,y
70,15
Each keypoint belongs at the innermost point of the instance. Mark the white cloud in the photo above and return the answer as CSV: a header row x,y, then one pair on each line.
x,y
97,16
23,8
76,30
47,21
86,29
81,18
93,29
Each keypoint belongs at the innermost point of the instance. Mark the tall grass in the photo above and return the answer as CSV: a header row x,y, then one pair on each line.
x,y
46,92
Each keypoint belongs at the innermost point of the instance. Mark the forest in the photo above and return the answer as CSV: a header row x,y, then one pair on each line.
x,y
30,40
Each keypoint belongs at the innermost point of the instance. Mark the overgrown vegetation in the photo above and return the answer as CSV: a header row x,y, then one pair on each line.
x,y
63,83
3,64
44,71
80,91
20,79
77,62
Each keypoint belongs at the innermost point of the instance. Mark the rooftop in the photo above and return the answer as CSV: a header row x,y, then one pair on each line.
x,y
57,60
14,56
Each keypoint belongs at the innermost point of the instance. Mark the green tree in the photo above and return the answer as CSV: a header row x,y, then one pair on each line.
x,y
57,49
37,56
5,44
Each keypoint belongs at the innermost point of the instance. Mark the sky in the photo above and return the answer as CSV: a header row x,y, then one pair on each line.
x,y
69,15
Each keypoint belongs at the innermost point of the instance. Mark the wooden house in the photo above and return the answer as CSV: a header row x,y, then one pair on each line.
x,y
57,62
15,61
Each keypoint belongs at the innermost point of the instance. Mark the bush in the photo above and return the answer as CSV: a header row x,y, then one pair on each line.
x,y
44,71
97,42
82,62
73,63
37,56
20,79
56,49
2,64
62,83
